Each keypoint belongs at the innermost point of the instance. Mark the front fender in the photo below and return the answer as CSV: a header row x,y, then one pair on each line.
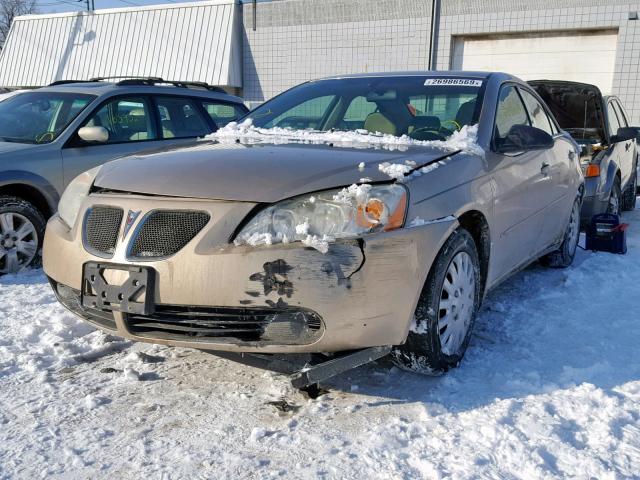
x,y
41,184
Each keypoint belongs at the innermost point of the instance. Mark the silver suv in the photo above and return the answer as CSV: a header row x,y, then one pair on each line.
x,y
50,135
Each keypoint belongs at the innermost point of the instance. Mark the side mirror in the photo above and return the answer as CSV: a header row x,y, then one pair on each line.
x,y
94,134
522,138
625,133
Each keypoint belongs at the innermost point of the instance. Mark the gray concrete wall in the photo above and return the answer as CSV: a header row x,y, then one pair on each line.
x,y
297,40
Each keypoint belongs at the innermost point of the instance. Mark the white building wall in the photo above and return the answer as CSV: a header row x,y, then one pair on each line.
x,y
190,41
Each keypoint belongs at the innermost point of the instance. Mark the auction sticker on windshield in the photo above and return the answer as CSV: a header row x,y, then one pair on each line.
x,y
464,82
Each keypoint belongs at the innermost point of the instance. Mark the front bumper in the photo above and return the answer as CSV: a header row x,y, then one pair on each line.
x,y
363,292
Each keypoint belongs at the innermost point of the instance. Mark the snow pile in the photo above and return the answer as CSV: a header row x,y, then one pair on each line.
x,y
550,388
395,170
463,140
353,194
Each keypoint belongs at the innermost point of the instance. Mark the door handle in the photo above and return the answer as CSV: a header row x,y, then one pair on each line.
x,y
571,155
544,167
626,146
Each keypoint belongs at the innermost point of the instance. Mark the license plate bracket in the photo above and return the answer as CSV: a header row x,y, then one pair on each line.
x,y
134,295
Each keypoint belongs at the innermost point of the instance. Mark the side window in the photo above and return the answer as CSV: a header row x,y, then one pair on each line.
x,y
538,116
612,118
510,112
358,111
181,118
126,120
223,113
622,117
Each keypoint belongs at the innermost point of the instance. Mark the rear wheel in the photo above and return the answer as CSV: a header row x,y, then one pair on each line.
x,y
563,257
21,233
446,310
629,195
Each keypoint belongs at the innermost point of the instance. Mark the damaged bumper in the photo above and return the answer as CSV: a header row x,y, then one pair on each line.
x,y
213,295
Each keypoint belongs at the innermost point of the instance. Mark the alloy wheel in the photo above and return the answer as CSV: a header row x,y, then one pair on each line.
x,y
18,242
614,203
457,301
573,233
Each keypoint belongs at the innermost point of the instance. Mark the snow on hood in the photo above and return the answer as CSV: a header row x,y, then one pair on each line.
x,y
464,140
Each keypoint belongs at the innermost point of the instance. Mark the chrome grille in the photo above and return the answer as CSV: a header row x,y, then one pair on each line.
x,y
163,233
101,228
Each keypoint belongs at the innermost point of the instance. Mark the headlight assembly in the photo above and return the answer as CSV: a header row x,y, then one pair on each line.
x,y
74,195
320,218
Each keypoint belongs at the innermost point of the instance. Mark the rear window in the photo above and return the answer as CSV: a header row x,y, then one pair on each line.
x,y
223,113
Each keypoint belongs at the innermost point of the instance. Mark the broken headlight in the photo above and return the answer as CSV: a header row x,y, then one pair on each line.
x,y
74,195
318,219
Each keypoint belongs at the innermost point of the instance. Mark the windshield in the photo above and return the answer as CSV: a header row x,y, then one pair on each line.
x,y
39,117
424,108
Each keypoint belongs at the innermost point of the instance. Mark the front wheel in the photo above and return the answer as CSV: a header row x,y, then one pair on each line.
x,y
629,195
21,233
563,256
446,310
613,206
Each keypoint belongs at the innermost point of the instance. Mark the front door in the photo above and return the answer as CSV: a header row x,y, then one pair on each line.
x,y
516,181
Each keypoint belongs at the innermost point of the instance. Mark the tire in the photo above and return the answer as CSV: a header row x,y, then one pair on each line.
x,y
21,234
615,197
629,196
432,347
563,256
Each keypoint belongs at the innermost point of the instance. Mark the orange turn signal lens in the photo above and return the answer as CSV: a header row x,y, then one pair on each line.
x,y
592,171
396,218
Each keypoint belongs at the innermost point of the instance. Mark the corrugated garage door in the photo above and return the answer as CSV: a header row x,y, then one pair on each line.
x,y
578,56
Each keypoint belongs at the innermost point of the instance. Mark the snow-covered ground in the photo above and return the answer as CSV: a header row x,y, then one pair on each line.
x,y
550,388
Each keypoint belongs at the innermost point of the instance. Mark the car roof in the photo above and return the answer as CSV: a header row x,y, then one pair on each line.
x,y
425,73
109,88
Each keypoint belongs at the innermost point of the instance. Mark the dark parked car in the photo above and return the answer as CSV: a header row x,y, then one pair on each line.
x,y
50,135
609,155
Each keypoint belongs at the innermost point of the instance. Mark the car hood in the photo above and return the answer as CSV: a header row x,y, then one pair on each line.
x,y
576,106
262,173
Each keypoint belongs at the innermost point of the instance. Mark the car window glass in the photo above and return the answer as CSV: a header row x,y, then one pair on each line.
x,y
510,112
180,118
223,113
445,110
357,112
39,117
126,120
622,117
307,115
614,124
539,118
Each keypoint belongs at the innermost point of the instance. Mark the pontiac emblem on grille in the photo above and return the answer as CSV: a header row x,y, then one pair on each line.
x,y
131,219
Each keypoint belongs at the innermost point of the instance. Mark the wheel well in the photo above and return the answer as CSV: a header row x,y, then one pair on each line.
x,y
476,224
30,194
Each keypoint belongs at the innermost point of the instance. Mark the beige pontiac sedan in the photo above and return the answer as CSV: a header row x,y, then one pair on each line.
x,y
346,213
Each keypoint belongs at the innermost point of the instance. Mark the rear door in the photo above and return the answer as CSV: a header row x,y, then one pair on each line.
x,y
518,190
554,183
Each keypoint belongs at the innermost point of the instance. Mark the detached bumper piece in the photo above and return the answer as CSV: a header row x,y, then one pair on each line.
x,y
307,370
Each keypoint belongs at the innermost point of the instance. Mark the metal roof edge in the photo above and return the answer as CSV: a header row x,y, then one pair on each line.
x,y
107,11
